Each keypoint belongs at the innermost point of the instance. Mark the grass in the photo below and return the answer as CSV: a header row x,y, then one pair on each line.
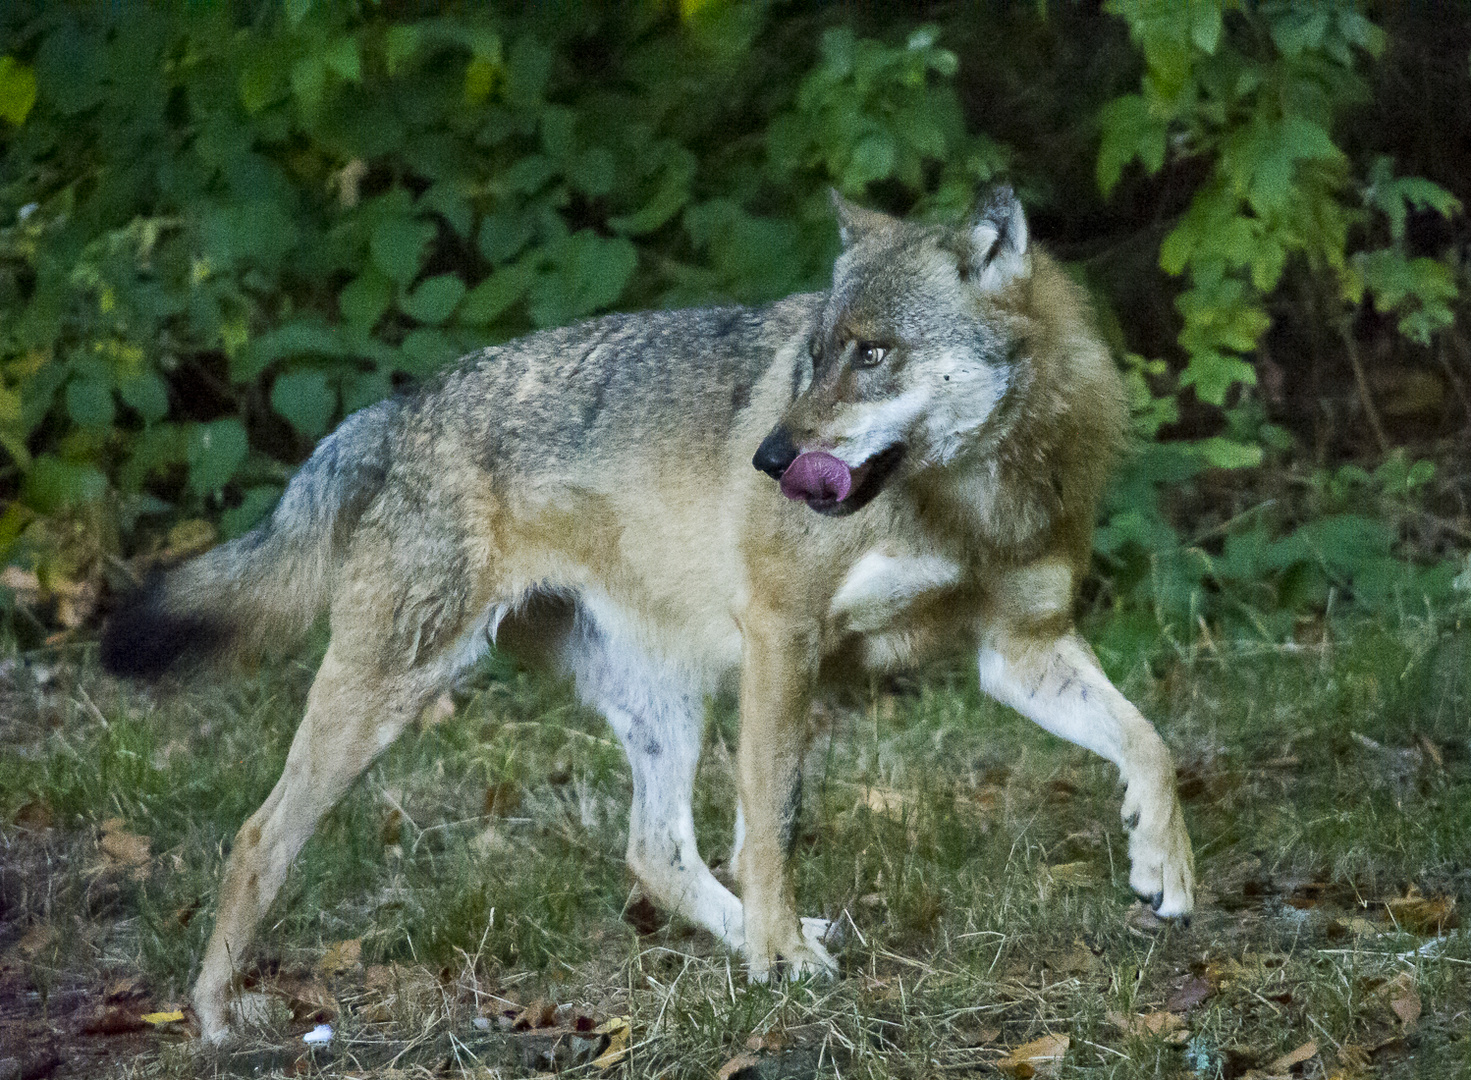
x,y
975,865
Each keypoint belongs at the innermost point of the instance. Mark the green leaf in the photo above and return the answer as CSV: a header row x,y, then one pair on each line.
x,y
428,350
558,127
364,388
257,503
215,451
1296,28
399,246
17,90
69,69
434,300
52,484
304,399
504,233
451,204
873,159
490,299
261,84
299,337
147,394
1205,26
587,273
399,47
296,10
364,299
309,81
593,172
667,200
1130,130
343,59
89,402
1222,453
1213,374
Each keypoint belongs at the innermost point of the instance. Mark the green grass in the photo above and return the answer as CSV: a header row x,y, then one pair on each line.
x,y
483,856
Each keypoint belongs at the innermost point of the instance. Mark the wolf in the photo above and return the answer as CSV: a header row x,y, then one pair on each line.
x,y
929,437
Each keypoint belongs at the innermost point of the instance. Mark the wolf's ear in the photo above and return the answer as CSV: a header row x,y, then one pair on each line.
x,y
998,241
856,222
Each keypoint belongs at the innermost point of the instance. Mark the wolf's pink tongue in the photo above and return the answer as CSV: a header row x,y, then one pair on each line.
x,y
817,475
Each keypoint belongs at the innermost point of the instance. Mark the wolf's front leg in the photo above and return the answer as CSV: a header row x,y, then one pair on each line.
x,y
777,672
1058,684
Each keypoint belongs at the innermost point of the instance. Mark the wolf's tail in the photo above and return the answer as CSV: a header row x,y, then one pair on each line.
x,y
267,586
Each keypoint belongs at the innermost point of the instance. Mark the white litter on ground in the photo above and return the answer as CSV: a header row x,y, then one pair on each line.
x,y
320,1035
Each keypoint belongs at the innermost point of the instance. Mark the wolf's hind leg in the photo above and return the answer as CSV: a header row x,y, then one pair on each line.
x,y
659,719
353,713
1058,684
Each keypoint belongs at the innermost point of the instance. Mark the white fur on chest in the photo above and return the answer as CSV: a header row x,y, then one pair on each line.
x,y
880,587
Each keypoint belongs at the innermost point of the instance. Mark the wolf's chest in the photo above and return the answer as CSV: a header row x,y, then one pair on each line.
x,y
881,589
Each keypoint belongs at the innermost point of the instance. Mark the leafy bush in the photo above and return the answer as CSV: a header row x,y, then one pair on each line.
x,y
229,225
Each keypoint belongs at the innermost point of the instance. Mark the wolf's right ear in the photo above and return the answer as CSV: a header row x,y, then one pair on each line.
x,y
998,241
855,222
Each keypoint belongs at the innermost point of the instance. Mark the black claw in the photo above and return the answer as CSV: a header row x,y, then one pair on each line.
x,y
1184,921
1156,900
1132,821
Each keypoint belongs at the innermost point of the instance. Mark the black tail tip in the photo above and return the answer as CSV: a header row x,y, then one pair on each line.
x,y
143,641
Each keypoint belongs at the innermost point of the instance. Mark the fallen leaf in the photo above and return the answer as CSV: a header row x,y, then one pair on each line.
x,y
1078,959
539,1014
35,815
391,828
1285,1063
306,995
113,1020
1403,998
736,1065
157,1018
122,847
1428,915
188,538
1354,926
644,916
886,801
1140,917
1040,1057
502,799
125,988
35,941
1193,992
1073,874
1165,1024
618,1031
341,956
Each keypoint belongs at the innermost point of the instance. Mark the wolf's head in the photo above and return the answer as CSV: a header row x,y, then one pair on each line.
x,y
913,357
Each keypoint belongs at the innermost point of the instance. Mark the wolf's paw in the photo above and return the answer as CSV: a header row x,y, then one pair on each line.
x,y
822,931
222,1014
801,956
1162,866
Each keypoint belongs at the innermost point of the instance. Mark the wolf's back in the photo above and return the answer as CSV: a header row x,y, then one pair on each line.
x,y
270,584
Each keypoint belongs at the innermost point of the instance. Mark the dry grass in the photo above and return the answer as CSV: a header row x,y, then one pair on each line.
x,y
974,865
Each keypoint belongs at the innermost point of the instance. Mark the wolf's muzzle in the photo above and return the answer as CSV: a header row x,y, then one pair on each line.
x,y
776,452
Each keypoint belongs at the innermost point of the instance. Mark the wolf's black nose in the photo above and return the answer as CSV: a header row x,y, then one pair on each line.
x,y
775,453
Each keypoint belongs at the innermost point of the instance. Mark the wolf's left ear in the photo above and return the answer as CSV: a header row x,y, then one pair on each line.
x,y
998,239
855,222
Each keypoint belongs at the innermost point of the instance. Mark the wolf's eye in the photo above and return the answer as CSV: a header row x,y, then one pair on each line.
x,y
867,354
